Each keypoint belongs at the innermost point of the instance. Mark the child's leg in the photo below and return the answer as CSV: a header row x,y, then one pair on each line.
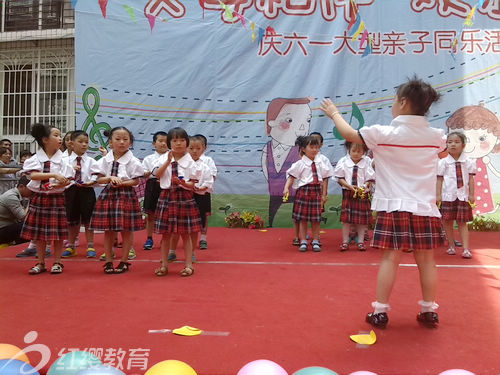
x,y
303,230
464,233
165,247
448,229
188,249
361,230
296,228
89,235
109,239
58,245
72,233
315,227
150,223
40,246
387,274
174,242
194,240
128,240
346,231
428,273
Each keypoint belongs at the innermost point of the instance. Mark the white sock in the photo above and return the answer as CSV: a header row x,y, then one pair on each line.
x,y
428,306
380,307
171,251
203,237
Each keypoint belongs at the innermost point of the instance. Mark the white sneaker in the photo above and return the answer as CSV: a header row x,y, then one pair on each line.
x,y
451,251
466,254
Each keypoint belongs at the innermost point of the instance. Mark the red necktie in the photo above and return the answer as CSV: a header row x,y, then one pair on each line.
x,y
354,180
315,173
114,168
78,173
44,184
460,179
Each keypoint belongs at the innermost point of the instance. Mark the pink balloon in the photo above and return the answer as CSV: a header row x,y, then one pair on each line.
x,y
456,371
362,373
262,367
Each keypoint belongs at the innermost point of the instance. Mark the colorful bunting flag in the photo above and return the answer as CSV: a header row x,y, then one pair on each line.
x,y
364,38
152,21
103,4
359,31
130,11
73,3
356,25
261,34
252,27
241,18
227,11
270,31
353,11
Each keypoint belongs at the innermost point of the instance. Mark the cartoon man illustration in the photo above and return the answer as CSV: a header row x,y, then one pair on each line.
x,y
286,119
482,130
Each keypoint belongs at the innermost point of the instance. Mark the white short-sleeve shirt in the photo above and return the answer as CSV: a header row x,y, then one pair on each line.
x,y
447,169
149,163
205,178
302,171
186,168
87,165
129,166
345,166
406,159
210,163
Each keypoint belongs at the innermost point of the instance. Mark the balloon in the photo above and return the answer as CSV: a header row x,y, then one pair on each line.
x,y
101,370
171,367
456,371
315,371
16,367
362,373
262,367
72,362
8,351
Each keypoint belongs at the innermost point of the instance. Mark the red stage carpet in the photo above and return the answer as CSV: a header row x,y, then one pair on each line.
x,y
257,297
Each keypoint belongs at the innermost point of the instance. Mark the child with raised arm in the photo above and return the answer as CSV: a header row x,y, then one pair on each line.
x,y
117,208
49,174
308,176
406,155
177,212
355,174
153,189
455,191
80,196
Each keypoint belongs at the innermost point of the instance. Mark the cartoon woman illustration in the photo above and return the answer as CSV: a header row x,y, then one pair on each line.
x,y
482,129
286,119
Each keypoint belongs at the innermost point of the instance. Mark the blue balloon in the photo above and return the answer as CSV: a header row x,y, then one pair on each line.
x,y
16,367
315,371
101,370
73,362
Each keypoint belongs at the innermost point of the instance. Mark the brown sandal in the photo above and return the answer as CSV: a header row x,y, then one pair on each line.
x,y
162,271
187,271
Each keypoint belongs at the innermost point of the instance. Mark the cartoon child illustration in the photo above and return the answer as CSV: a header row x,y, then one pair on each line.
x,y
286,119
482,130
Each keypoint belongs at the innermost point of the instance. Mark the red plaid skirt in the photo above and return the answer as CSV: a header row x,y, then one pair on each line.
x,y
307,204
403,230
355,210
458,210
46,218
117,209
177,212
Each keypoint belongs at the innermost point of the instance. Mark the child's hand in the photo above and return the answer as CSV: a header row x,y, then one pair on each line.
x,y
324,199
62,181
439,203
176,180
103,151
169,157
328,108
115,181
86,184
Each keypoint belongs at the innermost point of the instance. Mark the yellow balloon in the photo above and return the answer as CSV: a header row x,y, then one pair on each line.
x,y
8,351
171,367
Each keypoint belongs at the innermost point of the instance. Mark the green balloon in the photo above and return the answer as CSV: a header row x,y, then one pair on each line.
x,y
73,362
315,371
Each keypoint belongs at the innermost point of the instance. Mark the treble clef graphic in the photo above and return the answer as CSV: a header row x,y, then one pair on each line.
x,y
96,129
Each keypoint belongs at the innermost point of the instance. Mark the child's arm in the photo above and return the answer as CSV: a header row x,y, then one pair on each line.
x,y
160,171
471,189
289,182
342,126
324,196
63,181
439,190
342,182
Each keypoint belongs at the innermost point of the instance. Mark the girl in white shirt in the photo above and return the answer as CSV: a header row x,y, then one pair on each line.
x,y
309,176
355,174
455,191
177,211
117,208
49,174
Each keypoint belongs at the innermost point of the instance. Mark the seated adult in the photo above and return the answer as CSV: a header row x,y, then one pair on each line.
x,y
8,170
12,212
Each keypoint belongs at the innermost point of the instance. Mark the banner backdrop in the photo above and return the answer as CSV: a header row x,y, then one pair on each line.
x,y
250,74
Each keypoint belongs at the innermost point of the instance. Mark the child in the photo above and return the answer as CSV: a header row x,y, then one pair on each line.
x,y
406,155
308,175
153,189
80,196
66,145
46,219
117,208
455,191
177,212
202,190
213,171
356,168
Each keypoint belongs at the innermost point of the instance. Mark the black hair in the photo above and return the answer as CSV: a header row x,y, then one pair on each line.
x,y
109,133
3,150
304,140
24,153
348,146
159,134
23,180
317,134
40,131
6,140
177,132
202,138
458,134
76,133
419,94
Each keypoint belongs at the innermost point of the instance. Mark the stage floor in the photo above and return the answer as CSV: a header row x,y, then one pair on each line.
x,y
256,297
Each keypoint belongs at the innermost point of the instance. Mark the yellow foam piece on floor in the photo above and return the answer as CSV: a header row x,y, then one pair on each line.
x,y
365,339
187,331
3,245
262,230
322,232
